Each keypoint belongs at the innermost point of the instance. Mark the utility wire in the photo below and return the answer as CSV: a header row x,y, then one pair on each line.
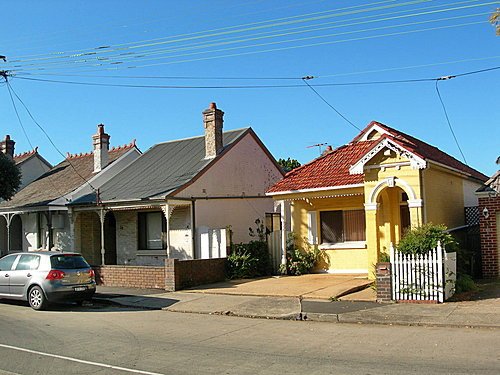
x,y
446,115
49,178
123,58
48,137
365,83
305,79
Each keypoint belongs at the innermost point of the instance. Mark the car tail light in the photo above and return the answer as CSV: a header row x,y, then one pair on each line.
x,y
91,273
55,275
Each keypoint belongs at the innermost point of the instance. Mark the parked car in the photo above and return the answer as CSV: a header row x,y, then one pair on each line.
x,y
43,277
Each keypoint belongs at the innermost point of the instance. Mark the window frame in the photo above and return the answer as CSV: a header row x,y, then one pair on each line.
x,y
356,244
142,231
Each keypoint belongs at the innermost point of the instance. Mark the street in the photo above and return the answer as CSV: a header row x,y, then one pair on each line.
x,y
115,340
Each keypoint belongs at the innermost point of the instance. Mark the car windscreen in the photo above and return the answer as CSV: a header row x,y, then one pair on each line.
x,y
66,262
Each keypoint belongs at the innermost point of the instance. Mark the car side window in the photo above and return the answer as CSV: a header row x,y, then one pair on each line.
x,y
28,262
7,262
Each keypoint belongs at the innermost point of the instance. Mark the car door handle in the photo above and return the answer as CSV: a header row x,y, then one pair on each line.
x,y
28,275
6,275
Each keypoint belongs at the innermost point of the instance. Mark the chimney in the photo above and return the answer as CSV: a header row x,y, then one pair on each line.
x,y
7,147
101,148
213,119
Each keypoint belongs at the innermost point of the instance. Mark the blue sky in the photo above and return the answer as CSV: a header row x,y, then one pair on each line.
x,y
335,41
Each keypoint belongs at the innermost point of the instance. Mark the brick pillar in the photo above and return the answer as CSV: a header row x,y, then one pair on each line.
x,y
383,273
489,237
171,279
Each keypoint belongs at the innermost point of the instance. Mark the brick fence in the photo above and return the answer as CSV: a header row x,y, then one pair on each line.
x,y
181,274
177,274
488,230
384,291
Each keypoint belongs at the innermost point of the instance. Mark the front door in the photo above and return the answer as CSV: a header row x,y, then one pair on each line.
x,y
21,275
5,271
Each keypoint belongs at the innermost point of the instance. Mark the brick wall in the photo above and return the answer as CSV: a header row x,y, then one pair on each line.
x,y
175,275
383,274
131,276
489,240
181,274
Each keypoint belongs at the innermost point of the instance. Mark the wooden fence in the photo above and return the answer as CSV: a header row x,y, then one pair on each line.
x,y
423,277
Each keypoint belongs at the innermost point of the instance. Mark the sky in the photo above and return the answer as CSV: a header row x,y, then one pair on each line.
x,y
190,52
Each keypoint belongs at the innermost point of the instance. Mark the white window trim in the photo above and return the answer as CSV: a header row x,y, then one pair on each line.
x,y
343,245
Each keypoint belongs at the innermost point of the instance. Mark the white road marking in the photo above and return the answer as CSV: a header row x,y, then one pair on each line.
x,y
80,360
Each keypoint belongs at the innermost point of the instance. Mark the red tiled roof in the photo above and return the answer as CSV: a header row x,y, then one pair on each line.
x,y
328,170
333,169
429,152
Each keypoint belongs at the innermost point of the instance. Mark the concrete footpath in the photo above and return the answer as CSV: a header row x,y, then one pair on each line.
x,y
483,311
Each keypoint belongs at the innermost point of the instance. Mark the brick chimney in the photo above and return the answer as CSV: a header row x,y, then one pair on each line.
x,y
101,148
213,119
7,147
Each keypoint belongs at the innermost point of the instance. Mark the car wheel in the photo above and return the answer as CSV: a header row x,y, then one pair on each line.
x,y
37,299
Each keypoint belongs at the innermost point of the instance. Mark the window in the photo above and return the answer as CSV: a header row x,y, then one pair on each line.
x,y
342,226
151,227
7,262
68,262
28,262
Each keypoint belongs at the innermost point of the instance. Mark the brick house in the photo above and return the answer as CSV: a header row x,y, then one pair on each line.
x,y
38,216
180,199
489,225
357,199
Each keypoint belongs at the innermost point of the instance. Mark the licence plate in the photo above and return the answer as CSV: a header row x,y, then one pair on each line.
x,y
80,288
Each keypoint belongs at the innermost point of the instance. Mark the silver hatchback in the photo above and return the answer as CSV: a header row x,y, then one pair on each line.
x,y
46,276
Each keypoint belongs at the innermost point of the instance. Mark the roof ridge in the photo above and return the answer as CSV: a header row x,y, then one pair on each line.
x,y
112,149
200,136
26,153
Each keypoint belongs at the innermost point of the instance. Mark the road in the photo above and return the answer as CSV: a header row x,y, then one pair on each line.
x,y
98,339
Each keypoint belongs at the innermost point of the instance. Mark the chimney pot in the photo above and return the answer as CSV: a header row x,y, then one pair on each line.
x,y
213,120
7,147
100,142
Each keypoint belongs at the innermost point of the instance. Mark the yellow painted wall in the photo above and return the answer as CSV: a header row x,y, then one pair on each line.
x,y
444,198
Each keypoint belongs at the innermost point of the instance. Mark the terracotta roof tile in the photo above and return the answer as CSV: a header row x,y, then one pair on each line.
x,y
333,169
19,158
328,170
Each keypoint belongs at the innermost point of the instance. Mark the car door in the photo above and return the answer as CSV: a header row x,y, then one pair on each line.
x,y
5,270
21,275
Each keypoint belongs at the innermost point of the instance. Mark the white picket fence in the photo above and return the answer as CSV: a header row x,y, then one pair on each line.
x,y
423,277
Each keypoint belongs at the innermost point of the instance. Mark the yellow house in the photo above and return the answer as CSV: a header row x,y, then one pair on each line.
x,y
353,201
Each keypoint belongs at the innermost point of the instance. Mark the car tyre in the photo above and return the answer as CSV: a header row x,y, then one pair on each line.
x,y
37,299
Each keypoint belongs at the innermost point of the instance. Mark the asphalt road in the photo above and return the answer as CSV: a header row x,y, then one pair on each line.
x,y
99,339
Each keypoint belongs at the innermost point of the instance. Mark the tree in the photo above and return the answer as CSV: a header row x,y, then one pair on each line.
x,y
10,177
495,20
288,164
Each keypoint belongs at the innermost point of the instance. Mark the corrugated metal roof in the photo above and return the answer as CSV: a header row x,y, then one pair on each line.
x,y
162,169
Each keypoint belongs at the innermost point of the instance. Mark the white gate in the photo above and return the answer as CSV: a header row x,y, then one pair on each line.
x,y
423,277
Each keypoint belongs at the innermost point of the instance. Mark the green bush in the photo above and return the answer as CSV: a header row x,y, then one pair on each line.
x,y
298,262
464,283
422,239
247,260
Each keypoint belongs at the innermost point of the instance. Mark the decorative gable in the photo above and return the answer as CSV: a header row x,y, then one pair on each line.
x,y
416,162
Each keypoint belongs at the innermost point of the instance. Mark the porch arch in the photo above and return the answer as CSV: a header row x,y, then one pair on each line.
x,y
391,182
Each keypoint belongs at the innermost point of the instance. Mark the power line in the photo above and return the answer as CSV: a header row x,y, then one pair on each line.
x,y
48,137
446,115
124,58
305,79
361,83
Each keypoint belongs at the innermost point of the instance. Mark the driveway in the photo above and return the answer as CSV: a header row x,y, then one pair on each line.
x,y
312,286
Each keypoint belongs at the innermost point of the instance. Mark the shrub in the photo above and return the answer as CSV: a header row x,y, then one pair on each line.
x,y
248,260
299,262
464,283
422,239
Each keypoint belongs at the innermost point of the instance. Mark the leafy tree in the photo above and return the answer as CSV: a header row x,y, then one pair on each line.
x,y
10,177
495,20
288,164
